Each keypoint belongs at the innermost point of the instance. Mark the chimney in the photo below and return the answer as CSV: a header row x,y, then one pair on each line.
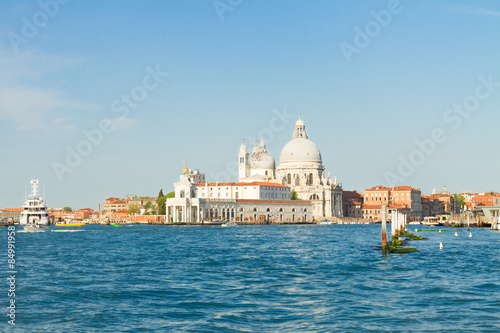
x,y
98,207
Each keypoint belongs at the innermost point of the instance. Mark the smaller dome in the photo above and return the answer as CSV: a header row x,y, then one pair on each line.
x,y
262,160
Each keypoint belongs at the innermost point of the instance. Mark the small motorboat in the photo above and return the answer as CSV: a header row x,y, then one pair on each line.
x,y
35,228
229,224
116,225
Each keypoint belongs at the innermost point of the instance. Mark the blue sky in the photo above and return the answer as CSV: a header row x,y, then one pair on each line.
x,y
224,70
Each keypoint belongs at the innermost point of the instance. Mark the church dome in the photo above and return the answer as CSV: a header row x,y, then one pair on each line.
x,y
262,160
300,149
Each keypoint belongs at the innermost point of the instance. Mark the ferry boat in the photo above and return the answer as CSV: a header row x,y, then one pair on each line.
x,y
431,221
69,223
34,209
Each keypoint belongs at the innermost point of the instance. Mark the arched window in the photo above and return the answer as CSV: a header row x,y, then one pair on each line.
x,y
310,179
289,179
181,194
297,180
314,197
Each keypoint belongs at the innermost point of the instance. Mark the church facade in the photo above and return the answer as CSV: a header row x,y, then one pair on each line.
x,y
300,167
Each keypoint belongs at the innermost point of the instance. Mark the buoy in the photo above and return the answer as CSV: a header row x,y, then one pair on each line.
x,y
456,235
439,230
470,235
416,230
441,245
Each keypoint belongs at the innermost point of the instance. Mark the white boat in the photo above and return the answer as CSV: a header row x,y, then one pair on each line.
x,y
229,224
430,221
35,228
34,209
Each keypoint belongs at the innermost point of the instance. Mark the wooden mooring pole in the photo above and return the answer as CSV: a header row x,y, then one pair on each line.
x,y
384,231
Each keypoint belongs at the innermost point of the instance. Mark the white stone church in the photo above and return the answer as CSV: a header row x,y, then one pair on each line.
x,y
263,193
300,168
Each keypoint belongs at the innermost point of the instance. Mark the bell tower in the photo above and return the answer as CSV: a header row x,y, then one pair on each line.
x,y
243,163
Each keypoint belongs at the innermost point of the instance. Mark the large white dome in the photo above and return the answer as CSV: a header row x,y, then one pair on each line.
x,y
262,160
300,149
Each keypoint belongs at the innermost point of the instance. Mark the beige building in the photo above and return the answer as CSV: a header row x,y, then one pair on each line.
x,y
112,205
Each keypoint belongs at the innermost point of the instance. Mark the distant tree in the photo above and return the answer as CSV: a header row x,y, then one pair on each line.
x,y
147,208
294,195
460,198
160,194
170,195
67,209
161,205
133,209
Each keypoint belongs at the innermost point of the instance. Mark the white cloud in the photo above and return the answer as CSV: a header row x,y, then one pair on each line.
x,y
32,64
30,108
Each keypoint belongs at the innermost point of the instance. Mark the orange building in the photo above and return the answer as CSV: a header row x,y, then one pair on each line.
x,y
405,199
485,199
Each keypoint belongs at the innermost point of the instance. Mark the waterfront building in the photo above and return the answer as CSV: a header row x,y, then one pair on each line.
x,y
352,202
11,214
431,206
300,167
402,199
113,204
485,199
449,204
254,202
